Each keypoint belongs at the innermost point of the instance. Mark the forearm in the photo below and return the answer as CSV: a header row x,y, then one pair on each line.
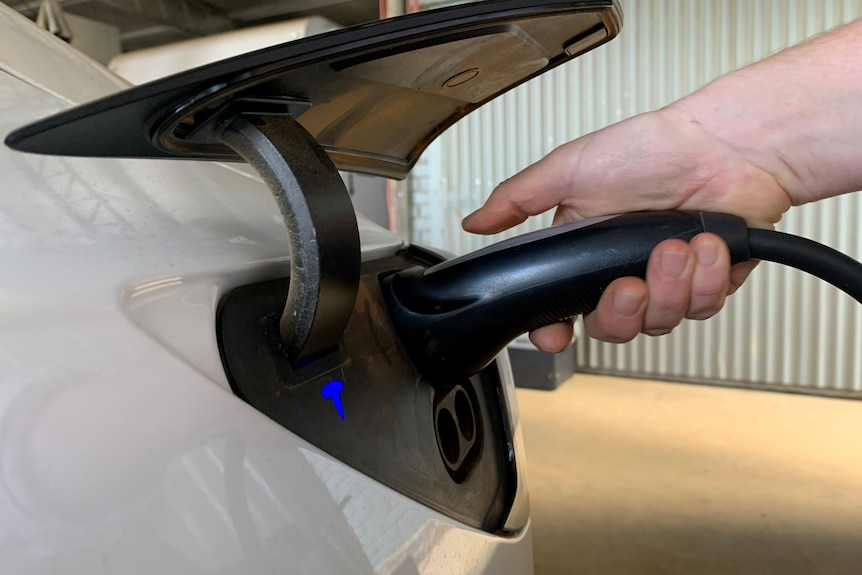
x,y
797,115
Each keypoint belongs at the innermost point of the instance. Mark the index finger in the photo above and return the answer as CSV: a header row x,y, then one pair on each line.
x,y
533,191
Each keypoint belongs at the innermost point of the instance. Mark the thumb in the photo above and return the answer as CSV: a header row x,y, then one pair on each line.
x,y
533,191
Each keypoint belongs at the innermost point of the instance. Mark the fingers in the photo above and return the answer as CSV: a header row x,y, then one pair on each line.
x,y
669,275
535,190
710,283
554,338
619,316
683,281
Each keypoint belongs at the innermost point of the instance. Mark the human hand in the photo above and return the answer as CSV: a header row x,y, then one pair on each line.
x,y
660,160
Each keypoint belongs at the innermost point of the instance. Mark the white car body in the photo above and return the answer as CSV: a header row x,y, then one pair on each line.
x,y
122,447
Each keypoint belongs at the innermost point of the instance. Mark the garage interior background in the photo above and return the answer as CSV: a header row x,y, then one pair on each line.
x,y
784,330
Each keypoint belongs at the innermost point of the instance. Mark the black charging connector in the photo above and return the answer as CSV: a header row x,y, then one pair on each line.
x,y
455,317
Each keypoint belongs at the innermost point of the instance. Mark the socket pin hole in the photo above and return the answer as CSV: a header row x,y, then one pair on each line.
x,y
447,432
465,416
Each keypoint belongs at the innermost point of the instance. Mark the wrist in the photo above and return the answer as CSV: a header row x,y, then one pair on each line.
x,y
763,142
794,115
719,176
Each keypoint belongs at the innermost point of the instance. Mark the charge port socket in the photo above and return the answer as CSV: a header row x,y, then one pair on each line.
x,y
457,425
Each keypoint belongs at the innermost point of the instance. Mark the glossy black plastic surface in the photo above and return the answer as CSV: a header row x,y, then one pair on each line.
x,y
374,96
454,318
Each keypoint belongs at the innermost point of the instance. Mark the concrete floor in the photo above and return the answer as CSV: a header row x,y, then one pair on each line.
x,y
639,477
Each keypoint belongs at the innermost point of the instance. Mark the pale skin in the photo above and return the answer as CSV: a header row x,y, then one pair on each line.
x,y
782,132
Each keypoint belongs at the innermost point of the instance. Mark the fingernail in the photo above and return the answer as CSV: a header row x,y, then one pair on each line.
x,y
466,220
673,264
707,254
628,304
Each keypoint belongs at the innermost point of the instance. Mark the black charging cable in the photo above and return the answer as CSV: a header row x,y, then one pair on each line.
x,y
821,261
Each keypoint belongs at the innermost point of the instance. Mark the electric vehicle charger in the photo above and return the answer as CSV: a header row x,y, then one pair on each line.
x,y
455,317
333,350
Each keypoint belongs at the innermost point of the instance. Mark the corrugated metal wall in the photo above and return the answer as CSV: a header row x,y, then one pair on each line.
x,y
783,329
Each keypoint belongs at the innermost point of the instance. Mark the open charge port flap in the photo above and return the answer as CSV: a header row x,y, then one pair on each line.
x,y
366,405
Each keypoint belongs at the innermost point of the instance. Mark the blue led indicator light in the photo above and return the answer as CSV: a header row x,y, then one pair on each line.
x,y
332,391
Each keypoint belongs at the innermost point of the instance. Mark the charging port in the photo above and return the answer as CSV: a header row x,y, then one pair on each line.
x,y
456,423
